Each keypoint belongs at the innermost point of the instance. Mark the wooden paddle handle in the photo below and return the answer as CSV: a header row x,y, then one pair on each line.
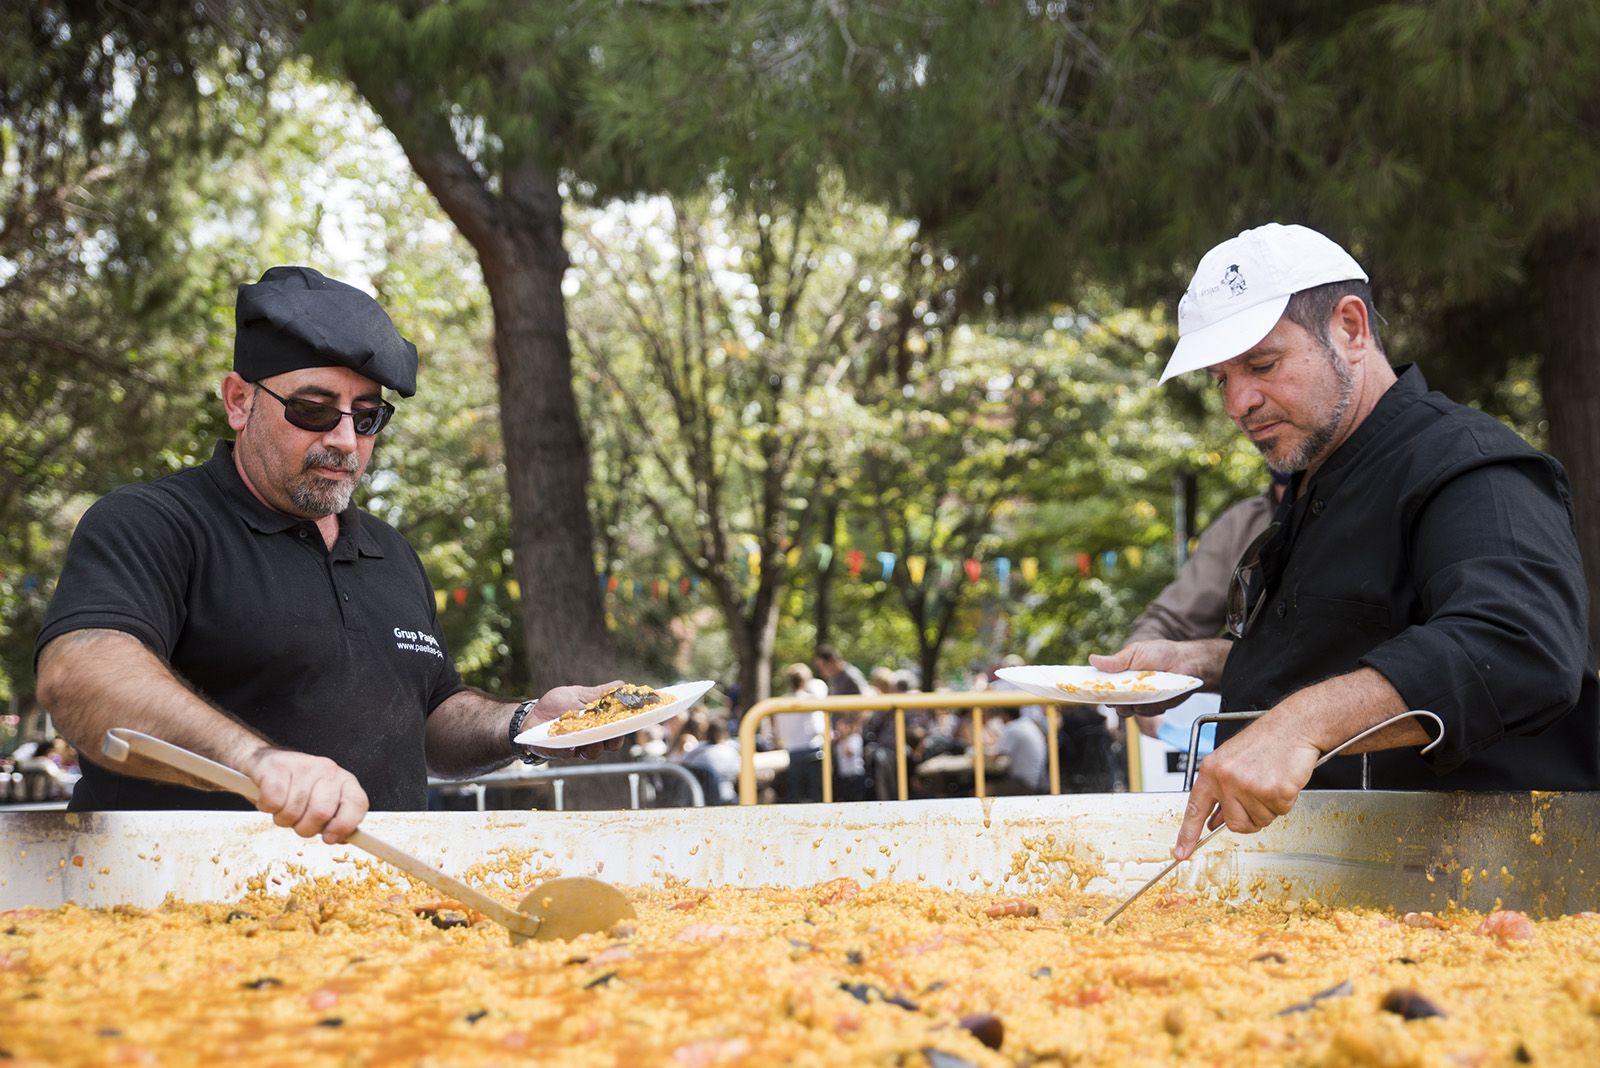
x,y
121,741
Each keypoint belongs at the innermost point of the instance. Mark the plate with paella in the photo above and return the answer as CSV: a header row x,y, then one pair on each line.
x,y
620,710
1081,684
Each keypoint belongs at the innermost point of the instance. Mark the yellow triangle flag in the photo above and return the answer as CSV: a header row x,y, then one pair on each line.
x,y
514,588
915,567
1135,556
439,600
793,556
1030,568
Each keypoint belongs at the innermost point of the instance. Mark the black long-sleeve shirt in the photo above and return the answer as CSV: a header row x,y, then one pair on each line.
x,y
1438,548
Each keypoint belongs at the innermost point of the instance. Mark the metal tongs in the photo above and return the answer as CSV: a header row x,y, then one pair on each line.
x,y
1329,755
556,909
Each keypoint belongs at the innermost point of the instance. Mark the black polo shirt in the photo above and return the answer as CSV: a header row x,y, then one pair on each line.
x,y
1437,547
336,653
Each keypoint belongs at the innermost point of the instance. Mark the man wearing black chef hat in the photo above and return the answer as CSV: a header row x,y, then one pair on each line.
x,y
245,609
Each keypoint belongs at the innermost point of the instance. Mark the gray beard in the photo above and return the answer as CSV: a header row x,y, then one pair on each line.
x,y
1319,438
318,496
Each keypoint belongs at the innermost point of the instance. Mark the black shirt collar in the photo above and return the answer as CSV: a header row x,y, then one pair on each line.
x,y
1408,388
265,520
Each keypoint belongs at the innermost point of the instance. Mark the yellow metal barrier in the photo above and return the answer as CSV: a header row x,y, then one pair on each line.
x,y
975,701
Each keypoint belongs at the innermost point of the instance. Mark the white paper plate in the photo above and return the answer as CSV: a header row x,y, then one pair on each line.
x,y
1077,684
682,694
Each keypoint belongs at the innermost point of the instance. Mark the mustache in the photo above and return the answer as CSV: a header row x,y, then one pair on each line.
x,y
347,461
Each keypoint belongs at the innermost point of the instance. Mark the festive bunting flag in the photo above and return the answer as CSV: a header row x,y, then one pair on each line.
x,y
917,568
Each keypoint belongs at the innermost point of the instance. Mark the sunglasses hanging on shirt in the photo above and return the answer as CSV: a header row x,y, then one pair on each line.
x,y
1247,591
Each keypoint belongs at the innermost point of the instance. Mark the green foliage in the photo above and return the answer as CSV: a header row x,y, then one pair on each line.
x,y
109,289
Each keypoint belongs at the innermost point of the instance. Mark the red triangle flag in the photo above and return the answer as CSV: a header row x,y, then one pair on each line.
x,y
974,569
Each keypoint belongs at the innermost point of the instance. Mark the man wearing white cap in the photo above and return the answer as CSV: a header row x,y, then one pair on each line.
x,y
1423,558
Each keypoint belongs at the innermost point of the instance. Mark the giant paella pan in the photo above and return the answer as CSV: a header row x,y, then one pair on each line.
x,y
1365,928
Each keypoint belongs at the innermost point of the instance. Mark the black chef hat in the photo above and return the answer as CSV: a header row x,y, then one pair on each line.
x,y
295,318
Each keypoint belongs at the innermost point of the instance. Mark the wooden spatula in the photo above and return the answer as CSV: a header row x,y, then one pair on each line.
x,y
555,909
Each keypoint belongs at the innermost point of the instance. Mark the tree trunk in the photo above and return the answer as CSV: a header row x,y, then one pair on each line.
x,y
517,236
755,655
1567,272
547,460
830,538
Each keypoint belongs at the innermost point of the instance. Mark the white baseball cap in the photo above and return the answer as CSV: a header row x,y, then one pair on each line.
x,y
1241,287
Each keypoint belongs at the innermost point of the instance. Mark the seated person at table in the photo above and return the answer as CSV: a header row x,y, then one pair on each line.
x,y
1022,758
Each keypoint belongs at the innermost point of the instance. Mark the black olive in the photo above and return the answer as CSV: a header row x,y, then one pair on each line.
x,y
11,930
1343,990
575,960
332,1021
1044,972
864,992
937,984
599,980
6,1055
1402,960
985,1027
476,1015
1274,957
1522,1056
109,1032
238,914
1410,1005
938,1058
446,920
853,957
262,983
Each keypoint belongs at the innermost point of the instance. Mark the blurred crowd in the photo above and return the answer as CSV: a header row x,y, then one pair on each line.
x,y
36,765
940,745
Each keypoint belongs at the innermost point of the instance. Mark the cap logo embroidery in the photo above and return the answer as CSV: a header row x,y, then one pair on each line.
x,y
1234,280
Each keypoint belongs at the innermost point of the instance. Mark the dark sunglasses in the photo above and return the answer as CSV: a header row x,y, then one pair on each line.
x,y
1247,591
320,417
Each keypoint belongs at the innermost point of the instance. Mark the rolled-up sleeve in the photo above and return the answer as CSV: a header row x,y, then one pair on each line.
x,y
1504,643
